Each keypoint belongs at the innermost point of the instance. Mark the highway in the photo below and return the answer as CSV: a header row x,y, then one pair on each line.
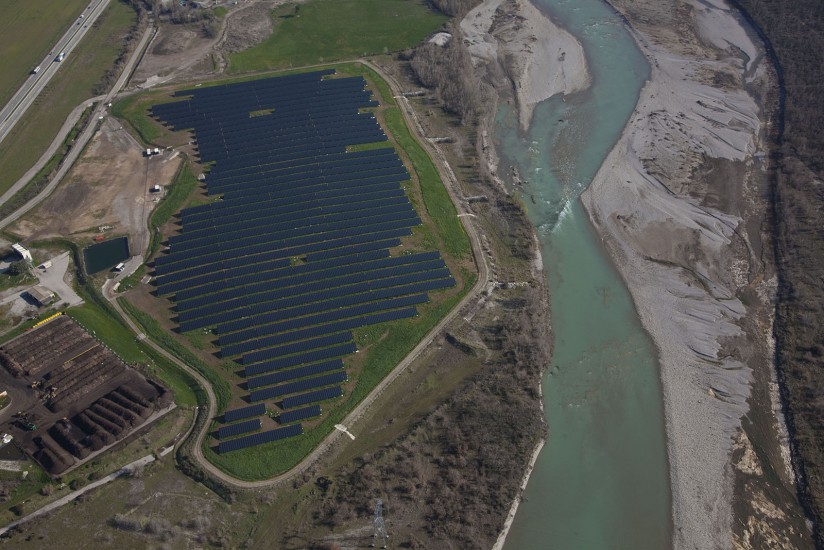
x,y
80,141
14,110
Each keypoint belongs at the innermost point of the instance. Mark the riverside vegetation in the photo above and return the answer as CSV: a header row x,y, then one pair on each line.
x,y
794,32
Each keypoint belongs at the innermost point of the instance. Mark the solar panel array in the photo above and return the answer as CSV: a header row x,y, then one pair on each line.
x,y
259,438
297,253
300,414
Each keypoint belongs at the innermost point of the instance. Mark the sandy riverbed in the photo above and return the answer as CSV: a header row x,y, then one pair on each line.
x,y
540,58
678,207
680,237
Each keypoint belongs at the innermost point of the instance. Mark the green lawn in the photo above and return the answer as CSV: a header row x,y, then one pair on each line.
x,y
328,30
78,75
28,31
134,110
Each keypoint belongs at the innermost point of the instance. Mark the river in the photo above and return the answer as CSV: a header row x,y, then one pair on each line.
x,y
602,480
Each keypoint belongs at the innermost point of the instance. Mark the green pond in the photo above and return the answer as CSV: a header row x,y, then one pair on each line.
x,y
106,255
602,480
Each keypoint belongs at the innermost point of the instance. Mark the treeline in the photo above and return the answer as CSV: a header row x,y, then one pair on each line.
x,y
129,42
448,70
176,14
794,33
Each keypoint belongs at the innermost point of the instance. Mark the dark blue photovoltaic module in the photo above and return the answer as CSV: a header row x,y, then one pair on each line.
x,y
300,245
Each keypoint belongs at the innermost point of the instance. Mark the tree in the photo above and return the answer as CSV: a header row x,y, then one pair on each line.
x,y
19,267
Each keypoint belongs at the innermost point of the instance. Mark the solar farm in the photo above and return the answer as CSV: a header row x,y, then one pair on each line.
x,y
300,246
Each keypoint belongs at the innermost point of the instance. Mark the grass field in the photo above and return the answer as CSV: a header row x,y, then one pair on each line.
x,y
329,30
28,31
79,73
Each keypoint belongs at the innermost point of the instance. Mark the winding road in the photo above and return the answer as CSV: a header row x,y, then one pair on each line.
x,y
80,142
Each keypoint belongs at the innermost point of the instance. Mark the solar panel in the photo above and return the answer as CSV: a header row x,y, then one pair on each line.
x,y
291,374
300,359
244,412
239,428
298,386
300,414
311,397
259,438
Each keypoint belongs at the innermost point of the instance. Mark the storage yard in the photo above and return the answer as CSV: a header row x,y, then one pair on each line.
x,y
73,396
304,246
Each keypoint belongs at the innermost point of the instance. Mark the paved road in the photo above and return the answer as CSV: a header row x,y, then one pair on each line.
x,y
52,278
28,92
85,135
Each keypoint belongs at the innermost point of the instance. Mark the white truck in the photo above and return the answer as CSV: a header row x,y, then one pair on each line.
x,y
60,56
35,70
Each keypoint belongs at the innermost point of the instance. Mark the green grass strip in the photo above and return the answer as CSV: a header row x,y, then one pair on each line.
x,y
178,192
435,197
320,31
162,337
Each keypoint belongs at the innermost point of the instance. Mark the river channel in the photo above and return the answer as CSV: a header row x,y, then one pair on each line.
x,y
601,482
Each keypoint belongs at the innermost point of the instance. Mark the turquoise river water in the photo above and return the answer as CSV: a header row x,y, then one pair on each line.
x,y
601,482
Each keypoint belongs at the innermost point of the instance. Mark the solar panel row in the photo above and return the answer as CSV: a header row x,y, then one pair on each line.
x,y
292,374
265,230
268,187
260,438
300,414
241,277
317,330
195,267
346,206
231,322
330,199
311,397
300,359
265,328
312,290
244,412
239,428
298,386
290,276
292,246
296,347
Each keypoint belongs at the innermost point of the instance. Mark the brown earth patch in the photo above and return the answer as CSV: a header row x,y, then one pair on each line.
x,y
109,186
